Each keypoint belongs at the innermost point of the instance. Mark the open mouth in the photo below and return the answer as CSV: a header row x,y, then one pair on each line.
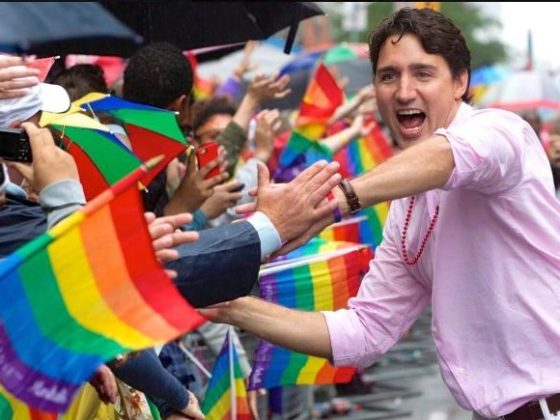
x,y
411,121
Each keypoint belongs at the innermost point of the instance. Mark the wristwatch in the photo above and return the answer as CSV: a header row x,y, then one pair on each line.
x,y
351,197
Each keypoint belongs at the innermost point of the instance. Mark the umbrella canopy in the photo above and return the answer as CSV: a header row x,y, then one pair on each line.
x,y
524,90
195,24
151,131
102,160
53,28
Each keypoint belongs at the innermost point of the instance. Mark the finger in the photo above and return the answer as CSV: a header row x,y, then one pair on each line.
x,y
158,231
253,192
252,397
310,172
166,255
149,216
21,83
321,192
172,274
283,94
192,165
321,177
10,94
176,220
246,208
263,175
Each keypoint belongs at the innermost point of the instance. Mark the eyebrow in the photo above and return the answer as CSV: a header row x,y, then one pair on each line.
x,y
414,66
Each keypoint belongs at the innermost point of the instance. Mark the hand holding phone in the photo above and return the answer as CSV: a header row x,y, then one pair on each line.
x,y
207,153
14,145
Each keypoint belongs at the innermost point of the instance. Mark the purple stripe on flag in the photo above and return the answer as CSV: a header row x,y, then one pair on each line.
x,y
24,383
263,357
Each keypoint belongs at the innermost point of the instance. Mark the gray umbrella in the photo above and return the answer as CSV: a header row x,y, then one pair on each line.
x,y
58,28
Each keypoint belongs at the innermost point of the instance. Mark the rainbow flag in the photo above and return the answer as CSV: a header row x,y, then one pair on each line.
x,y
322,98
297,146
321,282
226,396
11,408
356,159
356,229
79,295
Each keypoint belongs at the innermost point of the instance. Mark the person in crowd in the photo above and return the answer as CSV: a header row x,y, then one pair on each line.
x,y
473,229
81,79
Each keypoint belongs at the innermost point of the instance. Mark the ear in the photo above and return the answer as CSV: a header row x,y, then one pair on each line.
x,y
461,85
179,103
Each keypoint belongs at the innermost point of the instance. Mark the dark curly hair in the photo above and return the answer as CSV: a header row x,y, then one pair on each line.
x,y
157,75
437,34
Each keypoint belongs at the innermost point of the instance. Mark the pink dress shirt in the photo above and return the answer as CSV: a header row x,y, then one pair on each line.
x,y
491,270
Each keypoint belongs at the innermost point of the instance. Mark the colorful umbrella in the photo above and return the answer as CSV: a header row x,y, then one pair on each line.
x,y
101,158
151,131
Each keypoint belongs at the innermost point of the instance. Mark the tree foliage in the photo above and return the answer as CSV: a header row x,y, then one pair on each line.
x,y
475,26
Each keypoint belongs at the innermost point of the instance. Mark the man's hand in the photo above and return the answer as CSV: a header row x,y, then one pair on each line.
x,y
105,384
16,77
300,205
50,163
166,236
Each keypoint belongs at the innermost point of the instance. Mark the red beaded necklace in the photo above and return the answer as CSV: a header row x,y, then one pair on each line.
x,y
405,229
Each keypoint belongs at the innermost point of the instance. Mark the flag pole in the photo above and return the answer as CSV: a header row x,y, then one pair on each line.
x,y
232,375
195,361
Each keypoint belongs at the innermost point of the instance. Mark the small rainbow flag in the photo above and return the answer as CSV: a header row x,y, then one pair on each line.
x,y
79,295
299,145
226,396
322,98
321,282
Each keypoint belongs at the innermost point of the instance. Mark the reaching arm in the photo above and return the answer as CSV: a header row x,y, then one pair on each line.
x,y
420,168
304,332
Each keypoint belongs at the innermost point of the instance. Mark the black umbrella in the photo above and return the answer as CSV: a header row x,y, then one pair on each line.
x,y
196,24
58,28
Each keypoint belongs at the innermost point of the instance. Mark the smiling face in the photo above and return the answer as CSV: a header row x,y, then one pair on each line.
x,y
416,92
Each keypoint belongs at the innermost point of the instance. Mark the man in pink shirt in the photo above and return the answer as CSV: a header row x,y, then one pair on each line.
x,y
474,229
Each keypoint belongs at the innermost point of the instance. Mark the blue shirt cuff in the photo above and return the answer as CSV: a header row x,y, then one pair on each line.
x,y
268,235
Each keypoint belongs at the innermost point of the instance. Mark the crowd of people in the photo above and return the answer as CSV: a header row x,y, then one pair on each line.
x,y
473,228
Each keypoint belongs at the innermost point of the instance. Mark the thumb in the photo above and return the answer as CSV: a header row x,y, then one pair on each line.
x,y
191,163
263,175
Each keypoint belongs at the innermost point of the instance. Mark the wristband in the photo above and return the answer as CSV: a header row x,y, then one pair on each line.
x,y
336,211
351,197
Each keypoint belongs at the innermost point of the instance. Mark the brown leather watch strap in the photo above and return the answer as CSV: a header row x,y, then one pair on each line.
x,y
351,197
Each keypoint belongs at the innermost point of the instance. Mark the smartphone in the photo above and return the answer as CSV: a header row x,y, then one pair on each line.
x,y
238,188
14,145
207,153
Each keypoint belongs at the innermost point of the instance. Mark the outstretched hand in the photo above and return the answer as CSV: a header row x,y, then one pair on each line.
x,y
166,236
298,208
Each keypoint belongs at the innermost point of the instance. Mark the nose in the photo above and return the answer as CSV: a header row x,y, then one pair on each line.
x,y
406,91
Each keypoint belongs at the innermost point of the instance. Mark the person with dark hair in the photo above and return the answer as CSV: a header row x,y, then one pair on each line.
x,y
473,228
81,79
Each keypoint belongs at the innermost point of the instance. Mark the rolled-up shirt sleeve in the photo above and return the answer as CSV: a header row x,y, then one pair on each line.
x,y
488,152
390,299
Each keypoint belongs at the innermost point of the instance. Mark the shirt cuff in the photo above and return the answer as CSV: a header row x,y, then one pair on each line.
x,y
268,235
61,199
